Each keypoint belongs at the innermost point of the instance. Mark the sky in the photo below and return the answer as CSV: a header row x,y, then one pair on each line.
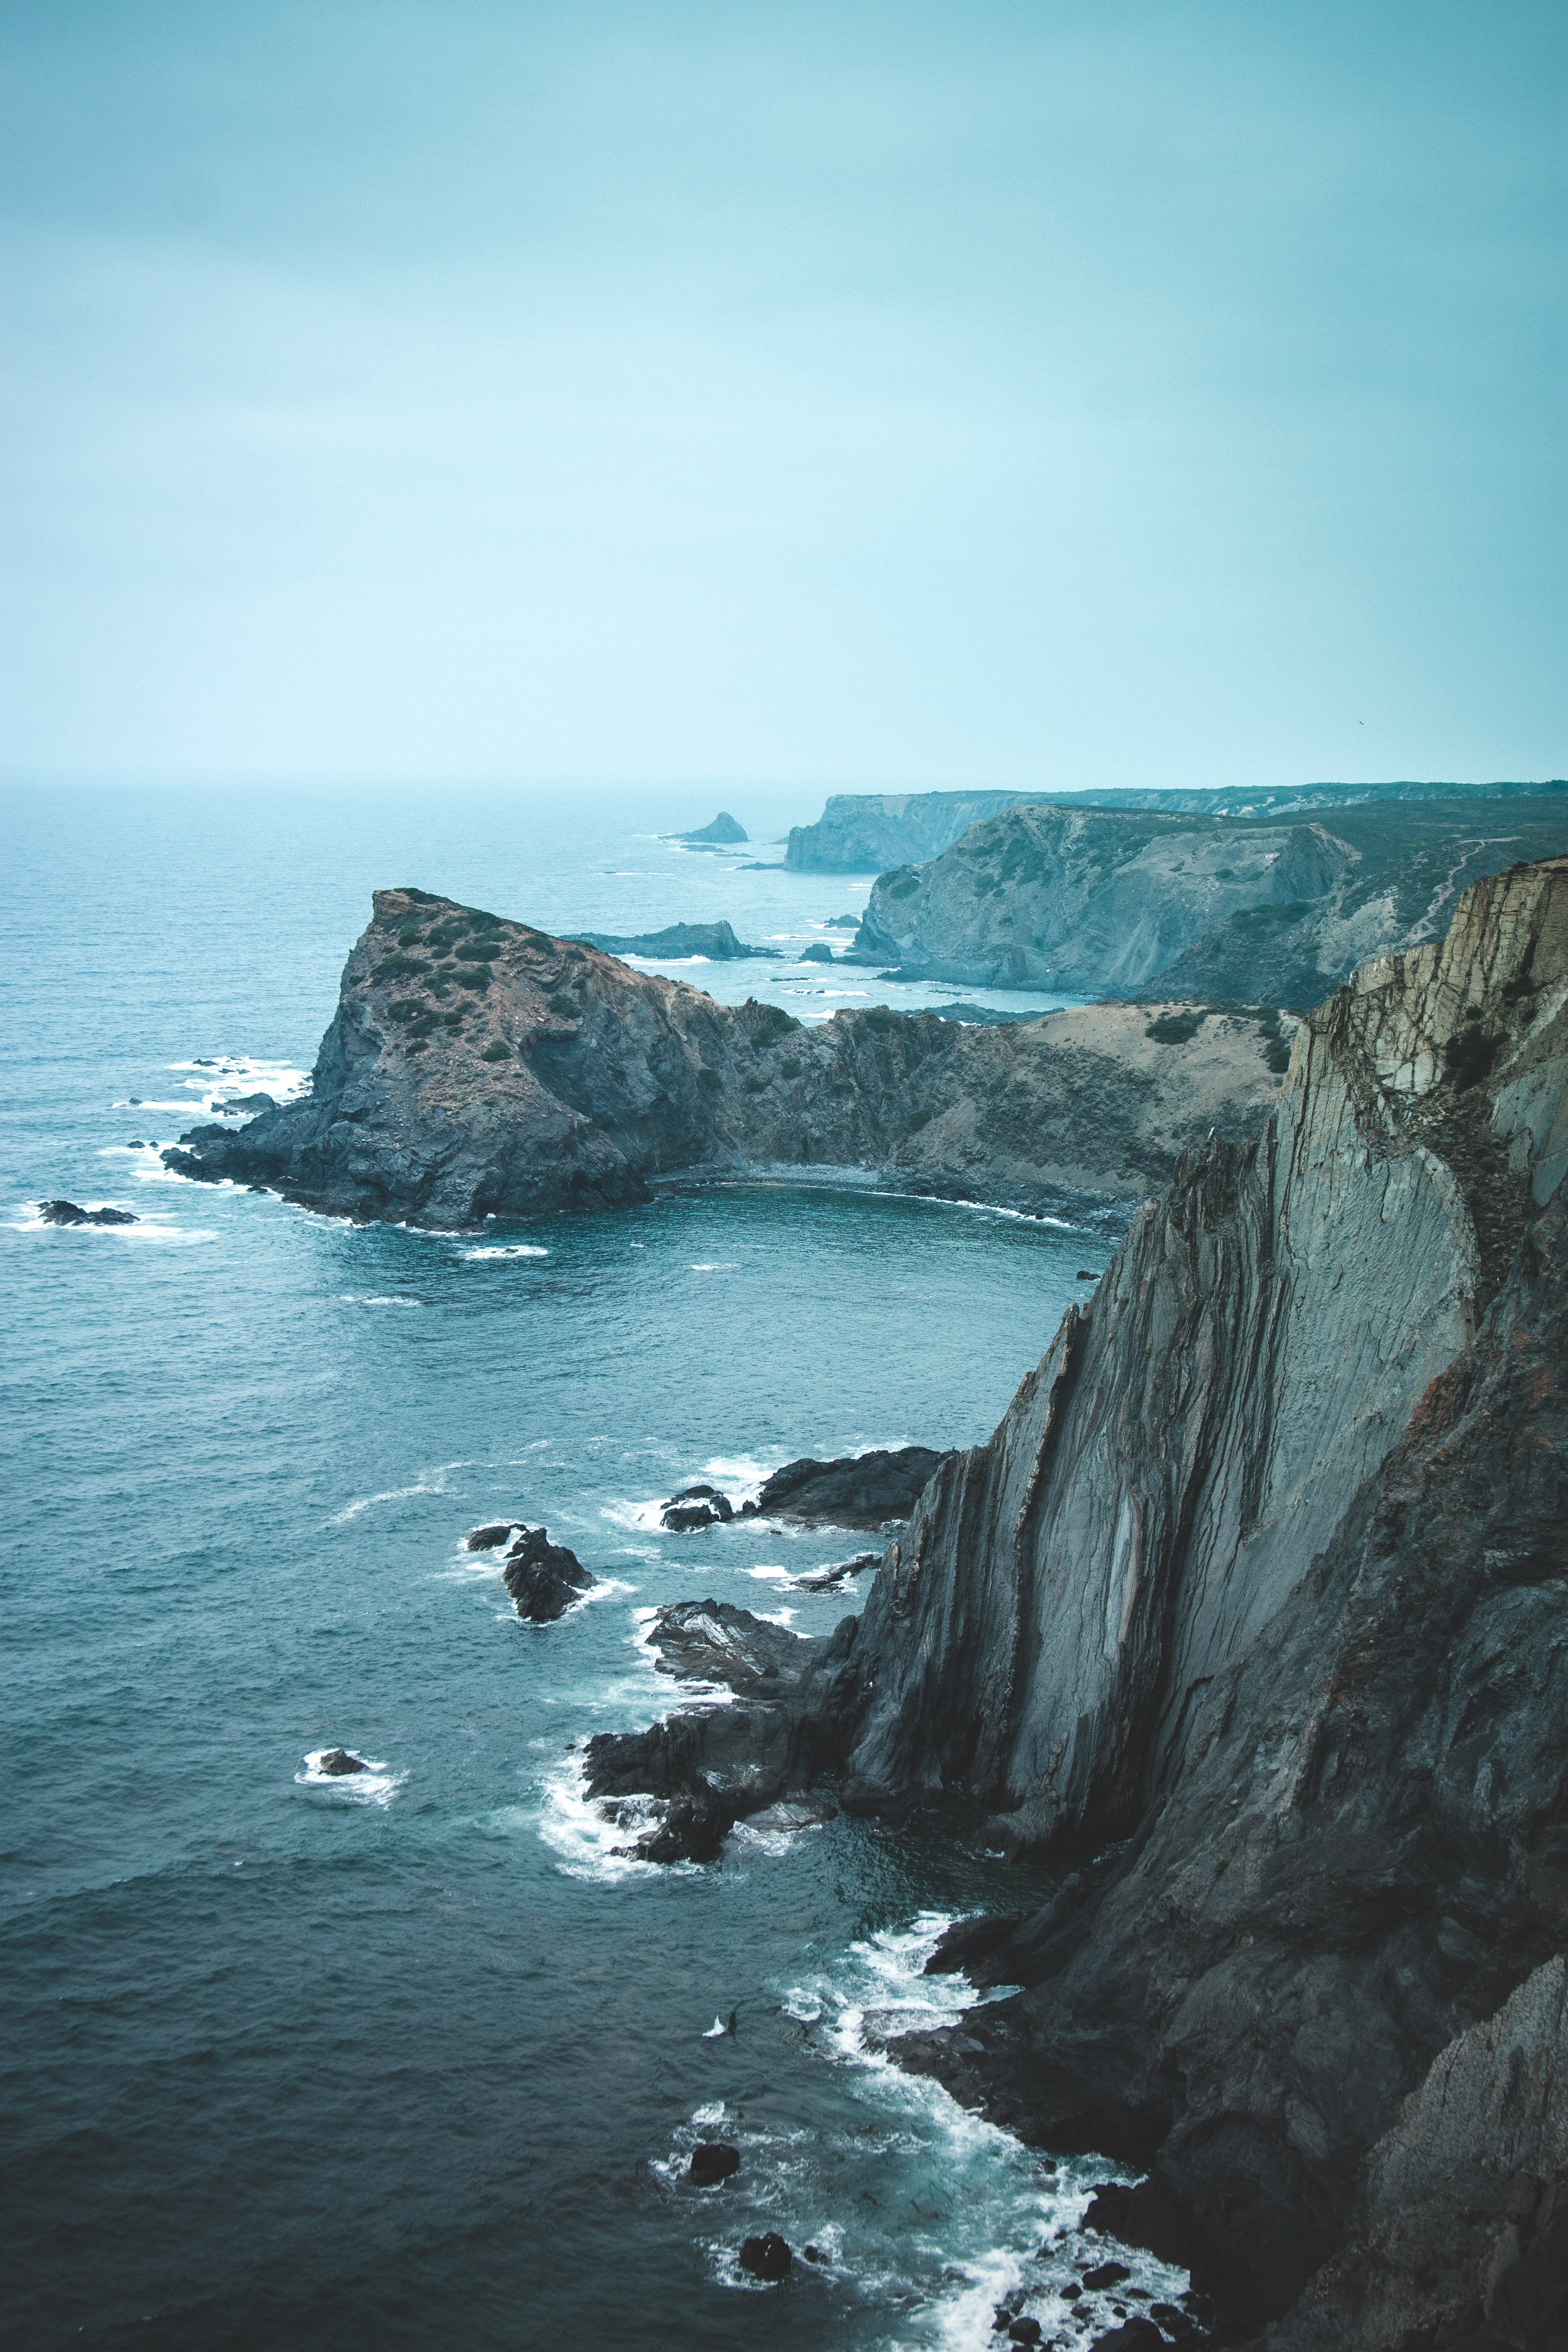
x,y
1080,392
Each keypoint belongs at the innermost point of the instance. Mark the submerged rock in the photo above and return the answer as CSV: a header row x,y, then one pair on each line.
x,y
543,1579
67,1213
767,2257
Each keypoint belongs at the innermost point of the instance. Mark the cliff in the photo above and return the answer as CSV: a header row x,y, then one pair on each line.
x,y
476,1066
1110,900
867,833
1254,1612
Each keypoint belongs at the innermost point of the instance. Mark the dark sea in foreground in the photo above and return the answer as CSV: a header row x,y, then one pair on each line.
x,y
415,2060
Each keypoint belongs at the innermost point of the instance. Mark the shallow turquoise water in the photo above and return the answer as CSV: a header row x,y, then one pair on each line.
x,y
416,2064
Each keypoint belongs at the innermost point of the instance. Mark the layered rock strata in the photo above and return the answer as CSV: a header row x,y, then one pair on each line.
x,y
478,1067
1115,900
1254,1612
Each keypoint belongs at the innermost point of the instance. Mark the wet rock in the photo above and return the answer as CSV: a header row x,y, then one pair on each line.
x,y
67,1213
814,2253
827,1579
766,2257
487,1538
337,1761
1104,2274
693,1830
249,1105
969,1942
712,1641
543,1579
855,1491
1134,2336
1025,2331
713,2160
818,952
695,1507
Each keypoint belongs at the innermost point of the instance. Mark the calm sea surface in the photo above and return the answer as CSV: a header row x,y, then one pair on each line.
x,y
415,2061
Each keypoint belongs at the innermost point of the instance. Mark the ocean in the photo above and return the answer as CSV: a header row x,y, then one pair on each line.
x,y
416,2059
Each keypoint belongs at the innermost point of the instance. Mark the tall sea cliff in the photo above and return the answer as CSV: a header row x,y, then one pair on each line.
x,y
1254,1611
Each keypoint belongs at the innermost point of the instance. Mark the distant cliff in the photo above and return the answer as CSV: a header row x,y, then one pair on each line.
x,y
1253,1612
1115,901
476,1066
867,833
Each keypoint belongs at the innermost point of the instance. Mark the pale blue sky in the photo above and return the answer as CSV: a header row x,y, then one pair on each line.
x,y
1113,391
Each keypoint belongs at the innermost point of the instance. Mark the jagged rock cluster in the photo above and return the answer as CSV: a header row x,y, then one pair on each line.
x,y
477,1067
1254,1612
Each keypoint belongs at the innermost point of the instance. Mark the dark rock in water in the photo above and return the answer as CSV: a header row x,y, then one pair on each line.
x,y
1105,2275
814,2253
67,1213
723,829
856,1491
542,1578
696,1506
339,1761
711,2161
1083,1274
249,1104
487,1538
766,2257
1136,2336
136,1144
968,1941
693,1830
828,1577
712,1641
1025,2331
716,941
818,952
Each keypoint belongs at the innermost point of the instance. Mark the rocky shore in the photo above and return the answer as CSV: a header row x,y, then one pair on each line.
x,y
478,1067
1253,1612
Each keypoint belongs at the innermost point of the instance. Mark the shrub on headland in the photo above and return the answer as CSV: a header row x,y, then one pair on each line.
x,y
496,1052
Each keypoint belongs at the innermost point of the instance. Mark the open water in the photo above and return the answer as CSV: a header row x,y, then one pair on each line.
x,y
416,2059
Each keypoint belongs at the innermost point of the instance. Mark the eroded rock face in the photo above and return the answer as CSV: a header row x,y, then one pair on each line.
x,y
477,1067
1122,900
1256,1607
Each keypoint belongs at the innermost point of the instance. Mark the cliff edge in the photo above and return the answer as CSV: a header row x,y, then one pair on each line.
x,y
480,1068
1254,1612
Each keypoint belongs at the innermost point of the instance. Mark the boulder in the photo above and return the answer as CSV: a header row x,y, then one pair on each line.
x,y
543,1579
337,1761
487,1538
766,2257
67,1213
713,2160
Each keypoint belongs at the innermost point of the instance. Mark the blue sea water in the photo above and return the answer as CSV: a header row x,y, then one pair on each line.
x,y
415,2060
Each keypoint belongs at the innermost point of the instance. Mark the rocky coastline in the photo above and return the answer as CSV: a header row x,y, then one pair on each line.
x,y
1253,1614
477,1067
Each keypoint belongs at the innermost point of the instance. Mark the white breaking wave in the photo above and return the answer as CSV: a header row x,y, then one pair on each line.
x,y
376,1785
511,1249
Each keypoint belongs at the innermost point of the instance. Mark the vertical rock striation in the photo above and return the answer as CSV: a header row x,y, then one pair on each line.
x,y
1262,1584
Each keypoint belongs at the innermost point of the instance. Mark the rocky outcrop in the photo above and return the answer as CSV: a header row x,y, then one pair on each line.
x,y
715,942
67,1213
1103,900
1253,1613
722,831
867,833
543,1579
477,1067
860,1490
